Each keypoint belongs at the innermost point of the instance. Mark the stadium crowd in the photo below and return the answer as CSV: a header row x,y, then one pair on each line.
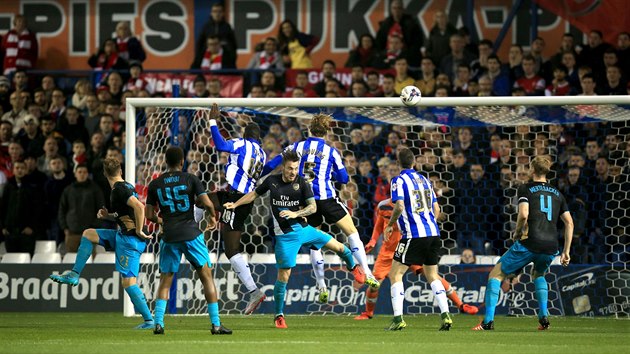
x,y
53,140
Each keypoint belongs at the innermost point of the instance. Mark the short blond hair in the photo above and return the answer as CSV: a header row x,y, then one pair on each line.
x,y
541,165
320,124
111,167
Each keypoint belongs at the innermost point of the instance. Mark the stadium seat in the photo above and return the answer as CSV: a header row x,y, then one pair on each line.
x,y
263,258
487,260
450,259
46,258
17,257
45,247
70,257
147,258
105,258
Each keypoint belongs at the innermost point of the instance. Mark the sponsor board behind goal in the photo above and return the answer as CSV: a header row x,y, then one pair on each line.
x,y
575,290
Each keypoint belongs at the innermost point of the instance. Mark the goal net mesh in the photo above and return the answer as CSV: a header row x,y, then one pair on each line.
x,y
476,158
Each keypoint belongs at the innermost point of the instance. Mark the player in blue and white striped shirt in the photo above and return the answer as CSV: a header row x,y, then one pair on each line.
x,y
243,169
320,165
416,211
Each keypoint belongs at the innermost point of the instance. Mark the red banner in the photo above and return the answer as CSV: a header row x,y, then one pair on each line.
x,y
231,85
610,17
344,75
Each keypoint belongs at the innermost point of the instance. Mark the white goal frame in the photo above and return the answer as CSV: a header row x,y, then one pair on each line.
x,y
133,103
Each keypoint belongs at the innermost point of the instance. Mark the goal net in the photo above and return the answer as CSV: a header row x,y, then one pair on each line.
x,y
474,150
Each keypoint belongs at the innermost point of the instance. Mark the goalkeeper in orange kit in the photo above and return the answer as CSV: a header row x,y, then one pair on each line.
x,y
384,263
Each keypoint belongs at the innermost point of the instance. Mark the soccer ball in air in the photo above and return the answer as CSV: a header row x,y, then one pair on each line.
x,y
410,95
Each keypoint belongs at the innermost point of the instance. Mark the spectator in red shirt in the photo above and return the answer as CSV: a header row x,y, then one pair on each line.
x,y
215,56
128,46
364,54
107,59
560,86
406,27
533,84
135,82
19,47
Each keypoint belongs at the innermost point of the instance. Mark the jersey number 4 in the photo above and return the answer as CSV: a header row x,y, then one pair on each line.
x,y
174,199
547,209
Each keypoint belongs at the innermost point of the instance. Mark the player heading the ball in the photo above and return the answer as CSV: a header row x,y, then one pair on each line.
x,y
242,171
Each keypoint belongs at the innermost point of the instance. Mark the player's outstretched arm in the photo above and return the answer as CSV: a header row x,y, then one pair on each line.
x,y
219,141
566,218
521,220
271,165
138,212
311,207
246,199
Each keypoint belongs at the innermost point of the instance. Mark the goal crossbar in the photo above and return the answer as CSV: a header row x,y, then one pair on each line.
x,y
380,101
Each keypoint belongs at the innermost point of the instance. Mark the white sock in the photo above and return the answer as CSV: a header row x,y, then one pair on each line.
x,y
241,268
440,295
317,261
398,297
358,251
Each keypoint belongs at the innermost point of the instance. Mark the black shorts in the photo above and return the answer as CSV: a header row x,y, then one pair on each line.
x,y
234,220
331,210
418,251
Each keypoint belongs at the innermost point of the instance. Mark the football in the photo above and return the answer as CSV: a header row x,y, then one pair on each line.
x,y
410,95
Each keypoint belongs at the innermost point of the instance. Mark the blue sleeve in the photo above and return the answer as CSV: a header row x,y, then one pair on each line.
x,y
271,165
219,141
339,172
341,176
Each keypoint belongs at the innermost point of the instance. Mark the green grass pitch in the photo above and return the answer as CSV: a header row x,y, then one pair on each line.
x,y
113,333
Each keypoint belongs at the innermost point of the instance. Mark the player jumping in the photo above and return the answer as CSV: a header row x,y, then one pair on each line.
x,y
320,165
291,199
243,169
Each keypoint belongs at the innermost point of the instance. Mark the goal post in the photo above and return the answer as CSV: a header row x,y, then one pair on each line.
x,y
425,128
